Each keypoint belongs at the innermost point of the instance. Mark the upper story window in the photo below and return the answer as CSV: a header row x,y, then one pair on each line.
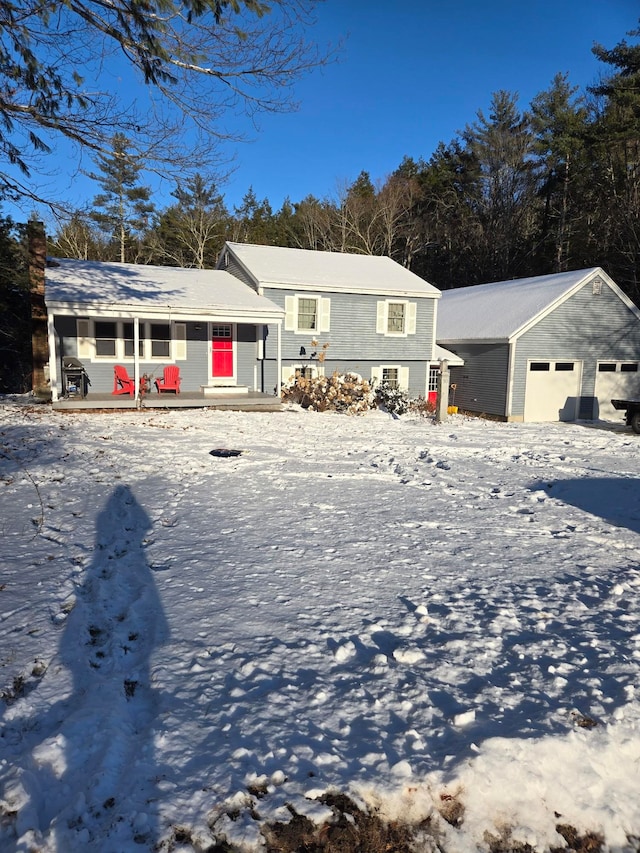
x,y
307,314
396,318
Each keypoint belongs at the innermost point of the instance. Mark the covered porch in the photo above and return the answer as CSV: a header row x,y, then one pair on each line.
x,y
251,401
119,331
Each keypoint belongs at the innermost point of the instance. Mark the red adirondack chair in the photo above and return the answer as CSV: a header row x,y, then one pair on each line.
x,y
170,380
122,382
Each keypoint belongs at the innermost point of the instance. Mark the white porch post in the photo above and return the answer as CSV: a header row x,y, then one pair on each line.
x,y
279,358
53,359
442,403
136,354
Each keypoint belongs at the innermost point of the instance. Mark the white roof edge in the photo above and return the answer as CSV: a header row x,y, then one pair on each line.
x,y
504,315
122,310
456,341
321,288
616,289
442,354
228,245
589,274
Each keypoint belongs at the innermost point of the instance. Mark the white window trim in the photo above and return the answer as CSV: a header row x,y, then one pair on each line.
x,y
433,372
289,371
377,373
86,341
410,316
323,314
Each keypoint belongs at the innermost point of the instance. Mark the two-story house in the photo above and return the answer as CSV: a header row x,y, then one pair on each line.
x,y
351,313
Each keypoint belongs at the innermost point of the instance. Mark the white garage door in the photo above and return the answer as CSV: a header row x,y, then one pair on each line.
x,y
552,390
616,379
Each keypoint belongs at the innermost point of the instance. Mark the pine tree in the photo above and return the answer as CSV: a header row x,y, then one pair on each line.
x,y
254,222
200,60
501,144
615,151
192,232
123,208
558,122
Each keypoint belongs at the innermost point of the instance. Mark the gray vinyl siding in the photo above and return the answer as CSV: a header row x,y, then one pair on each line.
x,y
354,344
481,384
246,356
587,328
236,269
353,336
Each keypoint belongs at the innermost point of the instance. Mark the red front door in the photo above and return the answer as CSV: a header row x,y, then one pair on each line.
x,y
222,351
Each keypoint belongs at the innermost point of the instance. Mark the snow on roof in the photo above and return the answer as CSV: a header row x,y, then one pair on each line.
x,y
151,287
499,309
442,354
336,271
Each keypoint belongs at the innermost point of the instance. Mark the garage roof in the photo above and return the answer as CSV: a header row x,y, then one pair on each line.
x,y
499,310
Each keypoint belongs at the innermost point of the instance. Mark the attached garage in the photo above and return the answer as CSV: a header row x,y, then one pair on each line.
x,y
548,348
552,390
616,379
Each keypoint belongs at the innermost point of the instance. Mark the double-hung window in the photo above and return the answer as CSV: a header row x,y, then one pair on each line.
x,y
127,336
391,376
396,318
114,340
396,312
306,314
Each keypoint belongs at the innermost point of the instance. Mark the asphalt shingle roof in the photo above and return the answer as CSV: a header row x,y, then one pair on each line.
x,y
98,283
337,271
497,310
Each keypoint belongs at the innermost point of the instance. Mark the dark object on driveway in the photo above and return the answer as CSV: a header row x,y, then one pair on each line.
x,y
632,412
223,452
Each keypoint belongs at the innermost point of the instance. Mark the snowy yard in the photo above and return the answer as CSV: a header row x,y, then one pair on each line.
x,y
438,620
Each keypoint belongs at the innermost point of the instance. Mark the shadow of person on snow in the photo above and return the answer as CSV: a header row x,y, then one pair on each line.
x,y
108,641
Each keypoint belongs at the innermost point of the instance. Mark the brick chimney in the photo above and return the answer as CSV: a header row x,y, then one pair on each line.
x,y
37,243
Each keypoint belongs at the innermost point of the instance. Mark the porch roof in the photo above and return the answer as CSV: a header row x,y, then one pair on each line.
x,y
94,287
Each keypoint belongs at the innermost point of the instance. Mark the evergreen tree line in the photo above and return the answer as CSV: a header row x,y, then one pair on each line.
x,y
516,193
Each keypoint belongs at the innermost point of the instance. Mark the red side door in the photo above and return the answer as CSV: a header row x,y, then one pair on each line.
x,y
222,351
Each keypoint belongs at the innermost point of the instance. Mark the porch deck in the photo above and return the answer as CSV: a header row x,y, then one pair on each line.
x,y
252,401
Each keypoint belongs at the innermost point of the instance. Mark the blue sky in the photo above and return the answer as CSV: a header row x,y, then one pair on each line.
x,y
410,75
415,73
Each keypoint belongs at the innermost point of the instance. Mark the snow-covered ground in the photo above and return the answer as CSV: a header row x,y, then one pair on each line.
x,y
430,618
